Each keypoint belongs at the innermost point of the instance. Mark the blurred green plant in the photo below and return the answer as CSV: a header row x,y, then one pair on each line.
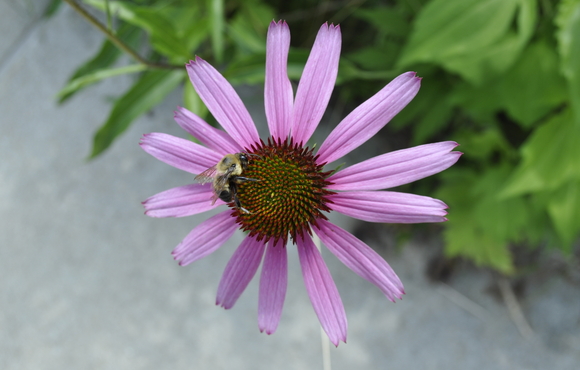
x,y
501,77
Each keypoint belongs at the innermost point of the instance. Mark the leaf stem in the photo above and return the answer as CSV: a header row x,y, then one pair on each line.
x,y
117,41
108,12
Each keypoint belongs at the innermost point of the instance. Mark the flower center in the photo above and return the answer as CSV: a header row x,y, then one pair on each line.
x,y
290,194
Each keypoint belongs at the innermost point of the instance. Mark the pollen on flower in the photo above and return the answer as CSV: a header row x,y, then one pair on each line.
x,y
290,194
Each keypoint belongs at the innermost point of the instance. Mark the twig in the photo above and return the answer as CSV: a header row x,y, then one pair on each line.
x,y
514,308
464,302
117,41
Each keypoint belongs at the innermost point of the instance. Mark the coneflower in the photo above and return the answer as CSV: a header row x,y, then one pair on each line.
x,y
294,192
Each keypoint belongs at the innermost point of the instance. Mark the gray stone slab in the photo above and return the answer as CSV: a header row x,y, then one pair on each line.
x,y
88,281
19,17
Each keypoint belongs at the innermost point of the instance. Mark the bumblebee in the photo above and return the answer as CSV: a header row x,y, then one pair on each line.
x,y
225,176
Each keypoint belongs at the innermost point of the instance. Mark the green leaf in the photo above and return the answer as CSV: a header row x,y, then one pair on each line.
x,y
392,27
463,238
251,69
190,21
349,71
192,101
51,8
98,75
296,61
479,102
430,111
163,35
389,21
149,90
490,61
482,145
433,121
533,87
105,57
373,57
217,28
482,225
529,91
476,228
549,157
564,210
568,36
502,219
196,34
447,28
470,37
249,26
248,69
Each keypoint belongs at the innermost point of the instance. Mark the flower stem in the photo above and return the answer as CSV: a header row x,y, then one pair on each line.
x,y
117,41
326,365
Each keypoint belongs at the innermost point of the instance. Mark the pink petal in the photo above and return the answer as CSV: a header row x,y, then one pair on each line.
x,y
396,168
278,94
239,272
369,117
223,102
316,83
273,283
360,258
205,238
210,136
179,153
181,201
389,207
322,291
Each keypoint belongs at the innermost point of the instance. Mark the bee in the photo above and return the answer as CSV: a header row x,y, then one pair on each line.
x,y
225,177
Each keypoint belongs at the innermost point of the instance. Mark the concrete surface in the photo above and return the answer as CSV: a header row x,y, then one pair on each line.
x,y
88,282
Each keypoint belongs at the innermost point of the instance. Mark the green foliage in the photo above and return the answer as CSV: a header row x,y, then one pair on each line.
x,y
545,164
509,96
501,77
192,101
51,8
564,211
479,223
156,21
149,90
217,28
90,78
100,64
470,37
568,35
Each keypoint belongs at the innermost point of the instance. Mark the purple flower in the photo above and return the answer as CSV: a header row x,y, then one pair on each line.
x,y
293,191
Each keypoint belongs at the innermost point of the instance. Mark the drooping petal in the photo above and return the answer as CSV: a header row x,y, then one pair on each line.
x,y
205,238
278,94
181,201
388,207
322,291
396,168
239,272
179,153
316,83
369,117
223,102
210,136
273,284
360,258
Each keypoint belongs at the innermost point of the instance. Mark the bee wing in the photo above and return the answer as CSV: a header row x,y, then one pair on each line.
x,y
220,181
206,176
214,198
